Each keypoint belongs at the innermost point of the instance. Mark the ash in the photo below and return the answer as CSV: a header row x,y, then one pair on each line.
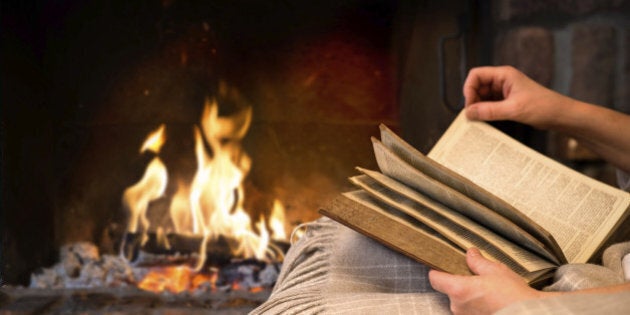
x,y
247,274
81,266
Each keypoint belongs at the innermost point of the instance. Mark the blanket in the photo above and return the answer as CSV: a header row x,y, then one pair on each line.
x,y
334,270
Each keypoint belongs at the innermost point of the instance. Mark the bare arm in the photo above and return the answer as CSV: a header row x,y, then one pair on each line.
x,y
504,93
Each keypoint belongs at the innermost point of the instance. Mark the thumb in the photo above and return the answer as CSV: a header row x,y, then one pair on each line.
x,y
445,282
479,264
498,110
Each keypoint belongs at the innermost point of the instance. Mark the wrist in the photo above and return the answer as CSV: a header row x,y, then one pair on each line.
x,y
566,114
546,294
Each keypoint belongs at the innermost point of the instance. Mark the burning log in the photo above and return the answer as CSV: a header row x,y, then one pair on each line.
x,y
211,205
219,251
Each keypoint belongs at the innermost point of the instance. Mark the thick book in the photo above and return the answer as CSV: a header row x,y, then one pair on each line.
x,y
478,187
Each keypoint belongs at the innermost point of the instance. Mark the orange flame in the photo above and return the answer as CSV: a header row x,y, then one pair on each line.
x,y
152,185
212,205
155,140
137,197
277,221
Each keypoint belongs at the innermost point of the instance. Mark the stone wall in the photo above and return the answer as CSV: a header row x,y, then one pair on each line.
x,y
576,47
579,48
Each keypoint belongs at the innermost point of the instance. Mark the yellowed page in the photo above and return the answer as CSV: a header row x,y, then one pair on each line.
x,y
463,185
578,211
393,166
454,226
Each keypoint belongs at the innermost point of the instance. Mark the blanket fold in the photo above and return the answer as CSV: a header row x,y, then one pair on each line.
x,y
332,269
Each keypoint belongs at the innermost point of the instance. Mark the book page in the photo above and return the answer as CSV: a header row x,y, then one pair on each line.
x,y
578,211
454,226
463,185
393,166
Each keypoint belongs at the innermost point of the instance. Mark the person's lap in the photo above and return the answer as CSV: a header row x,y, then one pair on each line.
x,y
333,269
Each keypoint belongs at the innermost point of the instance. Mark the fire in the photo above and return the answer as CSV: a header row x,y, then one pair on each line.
x,y
155,140
151,187
176,279
277,220
212,204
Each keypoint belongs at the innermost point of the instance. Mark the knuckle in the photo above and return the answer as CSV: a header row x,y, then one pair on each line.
x,y
457,309
457,291
509,68
491,113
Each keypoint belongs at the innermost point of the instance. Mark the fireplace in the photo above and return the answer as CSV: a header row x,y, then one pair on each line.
x,y
85,83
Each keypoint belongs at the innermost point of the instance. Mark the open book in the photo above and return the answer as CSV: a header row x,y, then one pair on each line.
x,y
480,188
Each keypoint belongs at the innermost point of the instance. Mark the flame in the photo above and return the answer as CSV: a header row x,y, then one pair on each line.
x,y
137,197
155,140
152,185
212,204
276,222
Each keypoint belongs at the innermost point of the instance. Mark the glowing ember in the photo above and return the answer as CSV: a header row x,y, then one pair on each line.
x,y
176,279
211,205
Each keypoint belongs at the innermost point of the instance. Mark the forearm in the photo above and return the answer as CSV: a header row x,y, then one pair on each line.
x,y
605,300
600,290
602,130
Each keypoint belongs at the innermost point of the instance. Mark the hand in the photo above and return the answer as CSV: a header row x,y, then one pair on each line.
x,y
504,93
493,287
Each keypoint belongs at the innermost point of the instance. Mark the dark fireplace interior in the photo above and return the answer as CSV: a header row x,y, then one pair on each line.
x,y
83,83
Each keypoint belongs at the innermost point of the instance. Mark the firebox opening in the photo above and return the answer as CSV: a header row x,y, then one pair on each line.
x,y
89,81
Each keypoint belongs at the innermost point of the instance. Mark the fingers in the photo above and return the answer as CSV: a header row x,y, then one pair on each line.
x,y
489,111
485,83
448,283
444,282
455,284
479,264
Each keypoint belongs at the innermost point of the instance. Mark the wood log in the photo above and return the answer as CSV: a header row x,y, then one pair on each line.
x,y
219,250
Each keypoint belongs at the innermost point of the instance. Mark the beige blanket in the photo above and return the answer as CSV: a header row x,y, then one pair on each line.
x,y
334,270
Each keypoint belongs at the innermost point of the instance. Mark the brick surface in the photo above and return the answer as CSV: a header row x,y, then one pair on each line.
x,y
529,49
506,10
579,7
514,9
594,54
